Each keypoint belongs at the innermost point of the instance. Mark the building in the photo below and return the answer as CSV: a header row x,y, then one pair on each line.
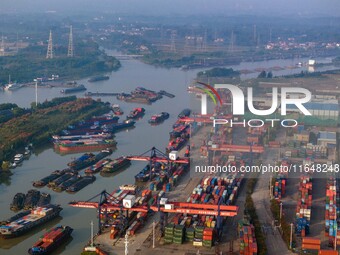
x,y
327,139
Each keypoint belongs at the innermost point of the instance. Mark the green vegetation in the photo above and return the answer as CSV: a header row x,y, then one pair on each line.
x,y
275,208
31,63
219,72
251,211
37,125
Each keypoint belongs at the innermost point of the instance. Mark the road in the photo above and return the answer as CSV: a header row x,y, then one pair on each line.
x,y
261,198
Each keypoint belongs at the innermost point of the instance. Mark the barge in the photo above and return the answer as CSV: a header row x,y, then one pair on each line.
x,y
51,240
25,223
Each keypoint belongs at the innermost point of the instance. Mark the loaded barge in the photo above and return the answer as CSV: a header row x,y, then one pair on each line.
x,y
51,240
27,222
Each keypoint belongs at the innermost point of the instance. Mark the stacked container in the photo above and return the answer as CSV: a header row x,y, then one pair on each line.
x,y
178,236
248,244
331,229
303,210
208,237
169,233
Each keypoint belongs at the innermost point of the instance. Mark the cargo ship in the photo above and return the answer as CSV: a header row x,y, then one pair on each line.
x,y
99,78
115,165
25,223
97,167
158,118
88,159
57,138
119,126
60,180
51,240
117,110
78,88
31,199
18,202
82,183
184,113
136,113
89,145
44,181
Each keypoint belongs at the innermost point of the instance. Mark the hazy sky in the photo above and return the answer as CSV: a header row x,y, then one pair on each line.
x,y
228,7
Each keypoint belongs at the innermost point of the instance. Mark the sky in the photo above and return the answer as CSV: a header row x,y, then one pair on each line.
x,y
163,7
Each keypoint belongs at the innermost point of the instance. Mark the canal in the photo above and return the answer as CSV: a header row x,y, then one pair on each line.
x,y
134,141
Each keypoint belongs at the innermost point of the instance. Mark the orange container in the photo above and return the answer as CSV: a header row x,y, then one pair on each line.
x,y
310,246
311,240
328,252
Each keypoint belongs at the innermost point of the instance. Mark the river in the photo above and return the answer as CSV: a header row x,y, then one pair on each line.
x,y
135,141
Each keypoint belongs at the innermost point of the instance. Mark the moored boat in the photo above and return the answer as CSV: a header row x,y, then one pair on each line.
x,y
25,223
136,113
44,199
49,178
77,88
83,182
115,165
117,110
18,202
51,240
31,199
81,146
158,118
99,78
63,186
184,113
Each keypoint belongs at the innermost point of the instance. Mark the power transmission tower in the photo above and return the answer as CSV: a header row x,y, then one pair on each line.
x,y
50,47
2,48
173,41
204,43
232,40
70,44
186,46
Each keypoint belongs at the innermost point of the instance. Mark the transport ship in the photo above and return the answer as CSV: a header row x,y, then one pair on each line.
x,y
99,78
89,145
158,118
117,110
25,223
44,181
88,159
115,165
119,126
82,183
61,179
97,167
184,113
136,113
78,88
57,138
18,202
51,240
63,186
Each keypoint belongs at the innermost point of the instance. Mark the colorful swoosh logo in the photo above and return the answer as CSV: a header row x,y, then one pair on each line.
x,y
209,93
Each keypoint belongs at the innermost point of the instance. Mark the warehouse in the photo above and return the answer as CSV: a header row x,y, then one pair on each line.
x,y
327,139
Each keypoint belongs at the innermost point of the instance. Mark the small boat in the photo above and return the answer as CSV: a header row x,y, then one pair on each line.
x,y
158,118
11,86
18,158
136,113
51,240
124,125
117,110
115,165
44,199
18,202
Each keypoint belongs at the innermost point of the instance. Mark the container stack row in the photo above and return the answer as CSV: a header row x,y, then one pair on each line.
x,y
248,244
332,200
303,210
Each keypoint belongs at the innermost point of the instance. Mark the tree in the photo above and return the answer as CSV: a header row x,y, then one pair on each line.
x,y
270,75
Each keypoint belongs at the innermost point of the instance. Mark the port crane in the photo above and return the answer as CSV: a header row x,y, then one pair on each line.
x,y
105,206
158,156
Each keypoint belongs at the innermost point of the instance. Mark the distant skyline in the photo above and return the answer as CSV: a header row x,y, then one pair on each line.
x,y
165,7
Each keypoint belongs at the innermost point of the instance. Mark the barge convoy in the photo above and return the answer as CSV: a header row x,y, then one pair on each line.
x,y
24,222
51,240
